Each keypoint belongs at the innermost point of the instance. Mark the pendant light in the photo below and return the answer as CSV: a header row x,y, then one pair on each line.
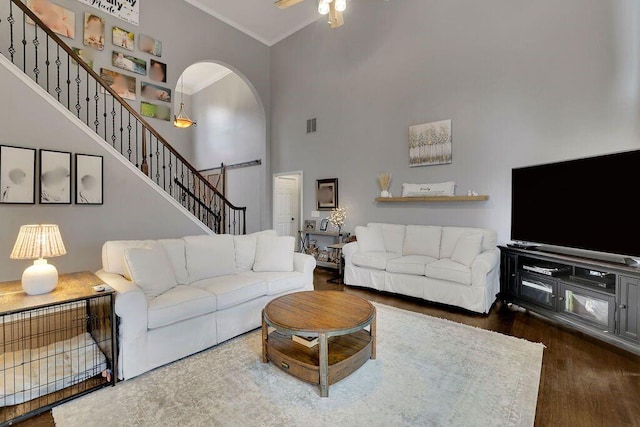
x,y
182,121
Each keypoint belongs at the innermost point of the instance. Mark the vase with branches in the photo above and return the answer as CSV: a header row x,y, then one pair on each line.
x,y
384,180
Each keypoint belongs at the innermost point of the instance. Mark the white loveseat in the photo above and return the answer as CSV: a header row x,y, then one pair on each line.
x,y
176,297
451,265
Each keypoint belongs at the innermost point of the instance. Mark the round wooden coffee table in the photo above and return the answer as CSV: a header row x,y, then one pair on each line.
x,y
337,319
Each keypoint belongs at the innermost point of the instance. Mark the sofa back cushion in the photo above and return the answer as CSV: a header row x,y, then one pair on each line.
x,y
450,236
370,239
150,269
210,256
274,253
175,251
422,240
245,249
469,246
393,235
113,255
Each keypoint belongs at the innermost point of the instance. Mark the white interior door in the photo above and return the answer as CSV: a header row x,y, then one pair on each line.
x,y
287,205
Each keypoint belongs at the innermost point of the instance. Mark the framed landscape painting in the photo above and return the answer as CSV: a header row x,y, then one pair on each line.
x,y
430,144
55,177
326,194
17,175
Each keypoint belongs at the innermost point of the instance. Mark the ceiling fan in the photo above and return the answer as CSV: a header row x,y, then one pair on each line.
x,y
333,8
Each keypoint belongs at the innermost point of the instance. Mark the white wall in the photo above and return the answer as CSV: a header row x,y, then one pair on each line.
x,y
131,210
524,83
231,129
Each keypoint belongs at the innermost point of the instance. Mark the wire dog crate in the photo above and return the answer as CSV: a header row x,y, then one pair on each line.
x,y
54,347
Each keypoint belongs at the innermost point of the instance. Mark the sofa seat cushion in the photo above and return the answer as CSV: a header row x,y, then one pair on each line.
x,y
279,282
409,264
233,289
179,303
377,260
445,269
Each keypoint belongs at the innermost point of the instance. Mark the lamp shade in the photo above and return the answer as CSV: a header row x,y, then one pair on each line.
x,y
38,241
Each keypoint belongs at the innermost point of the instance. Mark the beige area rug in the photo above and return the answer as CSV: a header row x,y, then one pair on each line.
x,y
429,372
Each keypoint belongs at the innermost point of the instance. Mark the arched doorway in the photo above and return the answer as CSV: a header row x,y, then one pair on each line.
x,y
231,130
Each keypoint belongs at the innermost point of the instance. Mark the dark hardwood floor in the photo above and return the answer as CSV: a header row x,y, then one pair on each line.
x,y
584,382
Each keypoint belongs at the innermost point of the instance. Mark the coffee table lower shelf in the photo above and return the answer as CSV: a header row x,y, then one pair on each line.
x,y
346,353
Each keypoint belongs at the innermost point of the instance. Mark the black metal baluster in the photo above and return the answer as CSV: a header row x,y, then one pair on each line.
x,y
78,81
68,82
150,156
87,100
36,43
96,98
47,62
24,43
170,174
113,122
104,112
157,163
11,20
121,130
164,168
137,141
129,127
58,64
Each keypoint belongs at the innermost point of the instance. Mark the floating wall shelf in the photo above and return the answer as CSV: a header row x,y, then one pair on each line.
x,y
432,199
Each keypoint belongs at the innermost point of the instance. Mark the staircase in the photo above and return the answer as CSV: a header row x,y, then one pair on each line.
x,y
51,63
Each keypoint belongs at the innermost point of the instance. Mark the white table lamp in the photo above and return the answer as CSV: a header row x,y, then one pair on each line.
x,y
38,242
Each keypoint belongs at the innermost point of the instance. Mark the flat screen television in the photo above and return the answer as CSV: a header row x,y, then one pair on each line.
x,y
586,204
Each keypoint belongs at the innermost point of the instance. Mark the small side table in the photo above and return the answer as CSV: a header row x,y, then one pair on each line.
x,y
336,248
69,314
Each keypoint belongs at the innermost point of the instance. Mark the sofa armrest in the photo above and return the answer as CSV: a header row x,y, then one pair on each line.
x,y
348,250
303,263
483,265
130,306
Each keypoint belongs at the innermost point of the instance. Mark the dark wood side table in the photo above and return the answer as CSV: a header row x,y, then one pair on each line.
x,y
74,322
338,320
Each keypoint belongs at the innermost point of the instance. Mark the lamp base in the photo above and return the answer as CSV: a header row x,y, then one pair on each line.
x,y
40,278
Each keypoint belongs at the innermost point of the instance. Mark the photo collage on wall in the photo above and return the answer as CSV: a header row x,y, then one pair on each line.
x,y
19,177
127,56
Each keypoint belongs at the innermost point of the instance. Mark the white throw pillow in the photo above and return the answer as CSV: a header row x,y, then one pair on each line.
x,y
274,253
429,190
245,247
150,269
370,239
469,246
210,256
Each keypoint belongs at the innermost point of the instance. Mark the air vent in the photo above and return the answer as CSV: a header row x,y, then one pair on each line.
x,y
312,125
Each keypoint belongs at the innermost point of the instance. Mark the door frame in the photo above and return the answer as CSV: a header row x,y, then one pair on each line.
x,y
300,175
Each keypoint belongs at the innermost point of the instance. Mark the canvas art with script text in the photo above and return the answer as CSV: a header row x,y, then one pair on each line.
x,y
430,144
127,10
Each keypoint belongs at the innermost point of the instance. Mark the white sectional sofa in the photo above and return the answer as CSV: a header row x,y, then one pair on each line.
x,y
451,265
179,296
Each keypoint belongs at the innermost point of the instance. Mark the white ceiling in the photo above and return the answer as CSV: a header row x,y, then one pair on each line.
x,y
201,75
261,19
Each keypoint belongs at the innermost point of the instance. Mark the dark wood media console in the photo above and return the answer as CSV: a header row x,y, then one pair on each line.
x,y
599,298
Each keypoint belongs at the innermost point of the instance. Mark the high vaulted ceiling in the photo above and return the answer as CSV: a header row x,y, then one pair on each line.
x,y
261,19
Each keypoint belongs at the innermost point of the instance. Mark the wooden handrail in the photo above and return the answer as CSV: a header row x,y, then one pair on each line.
x,y
122,102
